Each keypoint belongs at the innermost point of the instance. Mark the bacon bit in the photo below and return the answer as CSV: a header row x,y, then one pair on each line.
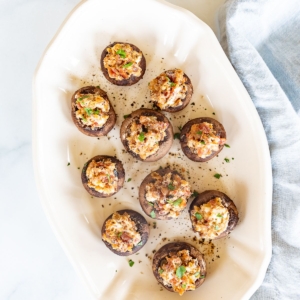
x,y
204,128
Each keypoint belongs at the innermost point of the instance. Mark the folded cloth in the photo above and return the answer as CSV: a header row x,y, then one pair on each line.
x,y
262,40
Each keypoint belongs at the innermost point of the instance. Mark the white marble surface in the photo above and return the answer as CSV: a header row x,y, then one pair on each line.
x,y
33,265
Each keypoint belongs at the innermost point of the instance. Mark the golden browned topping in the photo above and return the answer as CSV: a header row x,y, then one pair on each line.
x,y
168,194
102,176
144,135
202,139
168,89
121,232
210,219
92,110
122,61
180,271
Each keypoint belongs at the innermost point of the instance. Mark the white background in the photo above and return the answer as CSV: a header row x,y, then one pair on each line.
x,y
32,263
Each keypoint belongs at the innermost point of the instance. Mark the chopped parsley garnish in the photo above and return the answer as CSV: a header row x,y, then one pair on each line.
x,y
129,179
202,142
197,274
219,216
172,83
177,202
131,263
96,112
176,135
171,187
98,86
160,271
141,136
227,160
128,65
226,145
152,214
217,175
81,98
108,177
122,53
183,286
180,127
195,194
127,116
119,234
150,203
140,243
198,216
199,132
84,119
88,110
180,271
68,164
202,276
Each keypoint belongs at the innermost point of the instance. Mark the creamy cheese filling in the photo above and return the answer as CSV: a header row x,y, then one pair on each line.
x,y
180,271
202,139
102,176
168,89
210,219
122,61
168,194
121,232
92,110
144,135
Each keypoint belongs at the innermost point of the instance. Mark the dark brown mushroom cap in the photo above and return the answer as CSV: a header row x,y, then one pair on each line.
x,y
185,101
226,201
164,146
132,79
218,127
109,124
160,257
120,174
147,208
142,229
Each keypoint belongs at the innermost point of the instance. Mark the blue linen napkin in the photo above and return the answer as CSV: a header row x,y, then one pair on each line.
x,y
262,40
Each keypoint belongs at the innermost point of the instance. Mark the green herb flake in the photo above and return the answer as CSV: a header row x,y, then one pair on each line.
x,y
171,187
199,132
129,179
131,263
180,127
197,274
150,203
152,214
160,271
68,164
172,83
122,53
195,194
198,216
98,86
226,145
227,160
88,110
81,98
217,227
96,112
217,175
108,177
202,276
202,142
180,271
84,119
219,216
140,243
177,202
128,65
126,116
176,135
119,234
213,113
183,285
141,136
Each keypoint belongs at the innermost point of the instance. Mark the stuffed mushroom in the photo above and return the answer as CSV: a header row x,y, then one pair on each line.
x,y
103,176
202,139
179,267
92,112
213,214
164,194
147,135
123,63
125,232
171,91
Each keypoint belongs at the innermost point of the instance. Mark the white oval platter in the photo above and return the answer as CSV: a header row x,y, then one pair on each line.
x,y
169,37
